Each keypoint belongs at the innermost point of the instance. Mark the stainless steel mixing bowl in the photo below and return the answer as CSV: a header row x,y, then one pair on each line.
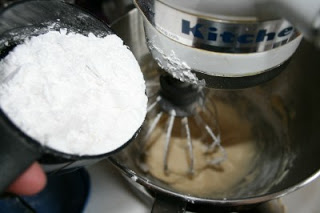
x,y
285,113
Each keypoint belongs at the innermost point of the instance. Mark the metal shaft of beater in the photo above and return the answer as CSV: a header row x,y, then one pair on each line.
x,y
179,99
167,144
215,145
153,125
189,143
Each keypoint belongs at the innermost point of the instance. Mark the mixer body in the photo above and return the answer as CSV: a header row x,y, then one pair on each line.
x,y
220,44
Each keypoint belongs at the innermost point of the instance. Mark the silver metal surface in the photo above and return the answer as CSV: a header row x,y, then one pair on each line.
x,y
216,35
216,52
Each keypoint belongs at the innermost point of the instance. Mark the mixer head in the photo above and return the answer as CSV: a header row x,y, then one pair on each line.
x,y
219,44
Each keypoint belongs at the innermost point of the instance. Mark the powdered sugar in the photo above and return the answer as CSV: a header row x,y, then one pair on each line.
x,y
77,94
174,66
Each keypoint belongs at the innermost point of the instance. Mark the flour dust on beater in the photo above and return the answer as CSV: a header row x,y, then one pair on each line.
x,y
77,94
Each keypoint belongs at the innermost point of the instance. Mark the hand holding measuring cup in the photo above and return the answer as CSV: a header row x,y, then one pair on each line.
x,y
70,91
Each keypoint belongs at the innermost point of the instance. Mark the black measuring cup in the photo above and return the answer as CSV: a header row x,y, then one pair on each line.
x,y
19,21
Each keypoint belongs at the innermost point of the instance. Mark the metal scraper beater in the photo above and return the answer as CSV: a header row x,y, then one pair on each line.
x,y
182,111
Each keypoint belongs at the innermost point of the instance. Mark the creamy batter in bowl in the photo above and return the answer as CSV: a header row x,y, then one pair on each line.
x,y
241,156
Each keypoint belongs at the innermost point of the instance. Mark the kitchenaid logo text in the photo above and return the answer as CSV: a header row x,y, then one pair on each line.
x,y
204,32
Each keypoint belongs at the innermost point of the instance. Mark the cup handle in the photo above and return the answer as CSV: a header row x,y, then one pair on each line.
x,y
164,204
16,154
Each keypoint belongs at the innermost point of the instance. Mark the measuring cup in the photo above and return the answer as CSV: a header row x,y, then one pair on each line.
x,y
17,22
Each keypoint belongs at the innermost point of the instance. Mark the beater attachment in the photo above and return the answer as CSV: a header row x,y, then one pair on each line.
x,y
182,113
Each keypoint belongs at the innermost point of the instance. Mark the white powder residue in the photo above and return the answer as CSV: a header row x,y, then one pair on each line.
x,y
174,66
77,94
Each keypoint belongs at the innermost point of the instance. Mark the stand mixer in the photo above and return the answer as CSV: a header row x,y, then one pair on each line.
x,y
223,45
